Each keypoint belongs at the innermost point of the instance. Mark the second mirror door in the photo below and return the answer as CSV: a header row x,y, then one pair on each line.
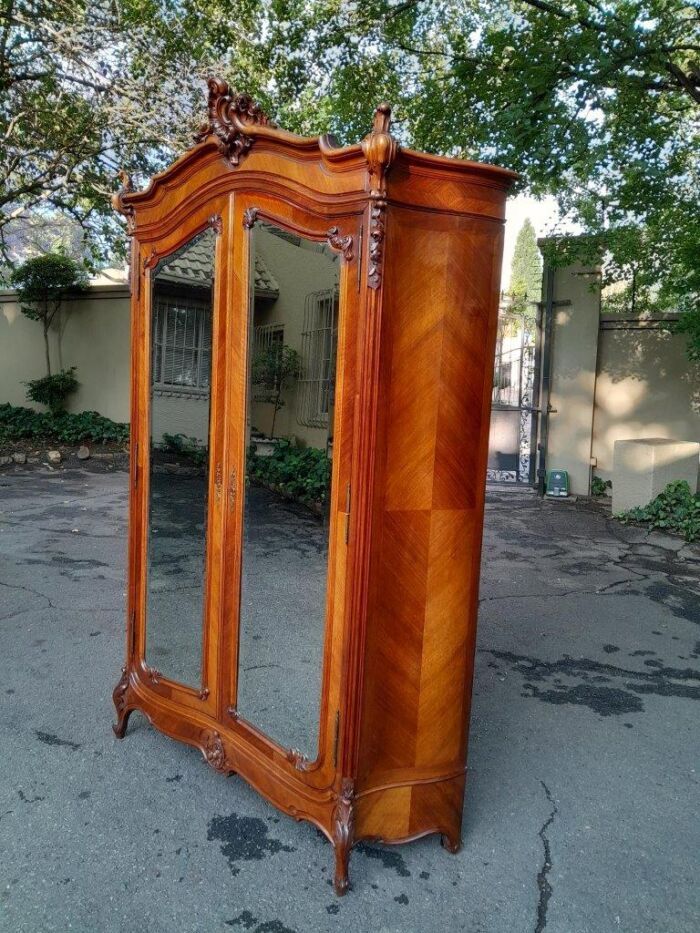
x,y
291,373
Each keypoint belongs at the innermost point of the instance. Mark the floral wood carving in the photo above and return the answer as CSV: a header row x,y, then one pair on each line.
x,y
298,759
216,224
118,202
230,115
153,675
204,693
343,244
380,149
343,834
249,217
233,713
150,260
214,751
119,693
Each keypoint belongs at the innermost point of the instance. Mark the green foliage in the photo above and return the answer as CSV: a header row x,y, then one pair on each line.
x,y
526,265
689,325
272,371
594,103
303,473
675,509
42,283
18,423
53,390
599,486
188,447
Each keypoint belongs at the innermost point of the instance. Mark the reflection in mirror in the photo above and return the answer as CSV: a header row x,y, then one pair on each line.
x,y
291,386
181,343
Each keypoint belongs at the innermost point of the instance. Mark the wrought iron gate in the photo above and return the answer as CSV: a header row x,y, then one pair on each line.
x,y
515,398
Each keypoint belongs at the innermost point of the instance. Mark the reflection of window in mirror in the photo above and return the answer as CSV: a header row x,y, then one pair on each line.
x,y
182,319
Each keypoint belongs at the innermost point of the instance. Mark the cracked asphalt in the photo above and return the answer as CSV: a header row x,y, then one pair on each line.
x,y
582,802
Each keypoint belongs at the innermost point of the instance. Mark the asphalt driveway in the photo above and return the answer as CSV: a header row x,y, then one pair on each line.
x,y
582,802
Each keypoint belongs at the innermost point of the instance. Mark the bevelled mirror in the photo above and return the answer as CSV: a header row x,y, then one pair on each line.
x,y
292,353
180,380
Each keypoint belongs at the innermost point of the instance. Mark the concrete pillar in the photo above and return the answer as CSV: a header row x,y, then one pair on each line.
x,y
574,352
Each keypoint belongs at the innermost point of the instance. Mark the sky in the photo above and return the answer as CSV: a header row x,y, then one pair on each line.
x,y
542,213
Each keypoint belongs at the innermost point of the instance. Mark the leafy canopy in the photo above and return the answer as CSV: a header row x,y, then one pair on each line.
x,y
594,101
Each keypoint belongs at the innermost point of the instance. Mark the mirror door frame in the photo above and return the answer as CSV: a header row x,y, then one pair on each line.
x,y
312,222
145,257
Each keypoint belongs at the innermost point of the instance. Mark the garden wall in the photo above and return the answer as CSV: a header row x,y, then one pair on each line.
x,y
94,336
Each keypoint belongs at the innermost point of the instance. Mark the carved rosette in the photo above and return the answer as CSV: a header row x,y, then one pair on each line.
x,y
153,675
343,834
230,115
119,204
216,224
214,751
343,244
380,149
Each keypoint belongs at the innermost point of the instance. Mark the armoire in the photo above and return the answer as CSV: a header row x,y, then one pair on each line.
x,y
313,330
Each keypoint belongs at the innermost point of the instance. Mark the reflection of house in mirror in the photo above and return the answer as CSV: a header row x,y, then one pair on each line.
x,y
295,305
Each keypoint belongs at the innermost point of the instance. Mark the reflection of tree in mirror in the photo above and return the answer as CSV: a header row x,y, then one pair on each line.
x,y
274,368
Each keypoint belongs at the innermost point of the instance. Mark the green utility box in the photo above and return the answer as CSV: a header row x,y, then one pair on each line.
x,y
557,483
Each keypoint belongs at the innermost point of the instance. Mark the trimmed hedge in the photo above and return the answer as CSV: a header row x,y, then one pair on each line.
x,y
18,423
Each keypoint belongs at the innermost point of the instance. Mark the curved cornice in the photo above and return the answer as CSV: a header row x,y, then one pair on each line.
x,y
236,123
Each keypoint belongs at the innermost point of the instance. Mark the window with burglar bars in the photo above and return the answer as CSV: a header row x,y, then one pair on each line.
x,y
318,353
182,345
267,336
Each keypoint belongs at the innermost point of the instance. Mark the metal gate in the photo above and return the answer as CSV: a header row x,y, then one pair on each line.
x,y
516,390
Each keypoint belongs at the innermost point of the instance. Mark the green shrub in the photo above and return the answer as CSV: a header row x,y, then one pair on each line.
x,y
17,423
188,447
304,473
675,509
53,390
598,486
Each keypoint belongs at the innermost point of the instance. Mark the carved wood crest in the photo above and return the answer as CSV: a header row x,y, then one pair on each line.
x,y
230,115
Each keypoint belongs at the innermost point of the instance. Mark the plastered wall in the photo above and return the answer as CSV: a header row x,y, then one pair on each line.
x,y
94,334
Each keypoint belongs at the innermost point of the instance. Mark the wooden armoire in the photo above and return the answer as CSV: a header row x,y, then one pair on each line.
x,y
313,331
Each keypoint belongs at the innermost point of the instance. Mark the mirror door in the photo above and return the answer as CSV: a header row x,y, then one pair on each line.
x,y
291,384
179,462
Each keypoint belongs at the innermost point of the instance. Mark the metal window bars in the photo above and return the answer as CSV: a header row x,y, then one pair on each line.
x,y
319,339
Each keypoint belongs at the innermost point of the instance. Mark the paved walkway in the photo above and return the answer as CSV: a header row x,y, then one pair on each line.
x,y
581,813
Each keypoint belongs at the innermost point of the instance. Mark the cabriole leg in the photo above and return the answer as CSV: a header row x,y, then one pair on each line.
x,y
123,711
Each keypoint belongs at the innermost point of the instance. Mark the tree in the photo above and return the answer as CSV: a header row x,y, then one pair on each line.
x,y
272,371
526,265
594,102
42,284
87,88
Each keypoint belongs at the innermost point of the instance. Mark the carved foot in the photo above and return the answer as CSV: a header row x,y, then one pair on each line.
x,y
343,835
341,882
119,727
451,843
119,698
